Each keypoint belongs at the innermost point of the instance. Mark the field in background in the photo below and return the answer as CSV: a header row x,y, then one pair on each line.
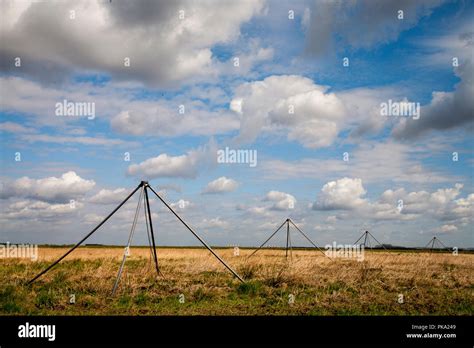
x,y
195,283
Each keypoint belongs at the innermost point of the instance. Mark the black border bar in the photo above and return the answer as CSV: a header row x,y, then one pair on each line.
x,y
196,330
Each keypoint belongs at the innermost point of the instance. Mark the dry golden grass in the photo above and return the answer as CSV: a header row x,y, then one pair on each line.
x,y
435,283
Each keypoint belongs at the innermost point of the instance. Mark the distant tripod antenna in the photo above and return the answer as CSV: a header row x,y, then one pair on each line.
x,y
289,247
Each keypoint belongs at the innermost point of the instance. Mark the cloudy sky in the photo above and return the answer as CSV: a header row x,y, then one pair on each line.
x,y
301,83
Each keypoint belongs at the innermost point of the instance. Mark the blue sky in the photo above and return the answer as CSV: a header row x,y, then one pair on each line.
x,y
76,51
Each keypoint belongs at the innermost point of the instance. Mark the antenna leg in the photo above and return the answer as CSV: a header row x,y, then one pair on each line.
x,y
127,248
289,238
195,234
151,229
307,238
87,236
261,246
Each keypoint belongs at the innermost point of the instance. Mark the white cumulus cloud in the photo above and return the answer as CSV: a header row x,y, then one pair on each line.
x,y
294,103
109,196
221,185
344,194
104,33
281,200
183,166
52,189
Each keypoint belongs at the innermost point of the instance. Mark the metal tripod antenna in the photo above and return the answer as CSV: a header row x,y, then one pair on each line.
x,y
288,239
433,241
366,235
151,237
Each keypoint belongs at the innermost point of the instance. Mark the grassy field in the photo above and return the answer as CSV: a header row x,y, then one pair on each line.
x,y
195,283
